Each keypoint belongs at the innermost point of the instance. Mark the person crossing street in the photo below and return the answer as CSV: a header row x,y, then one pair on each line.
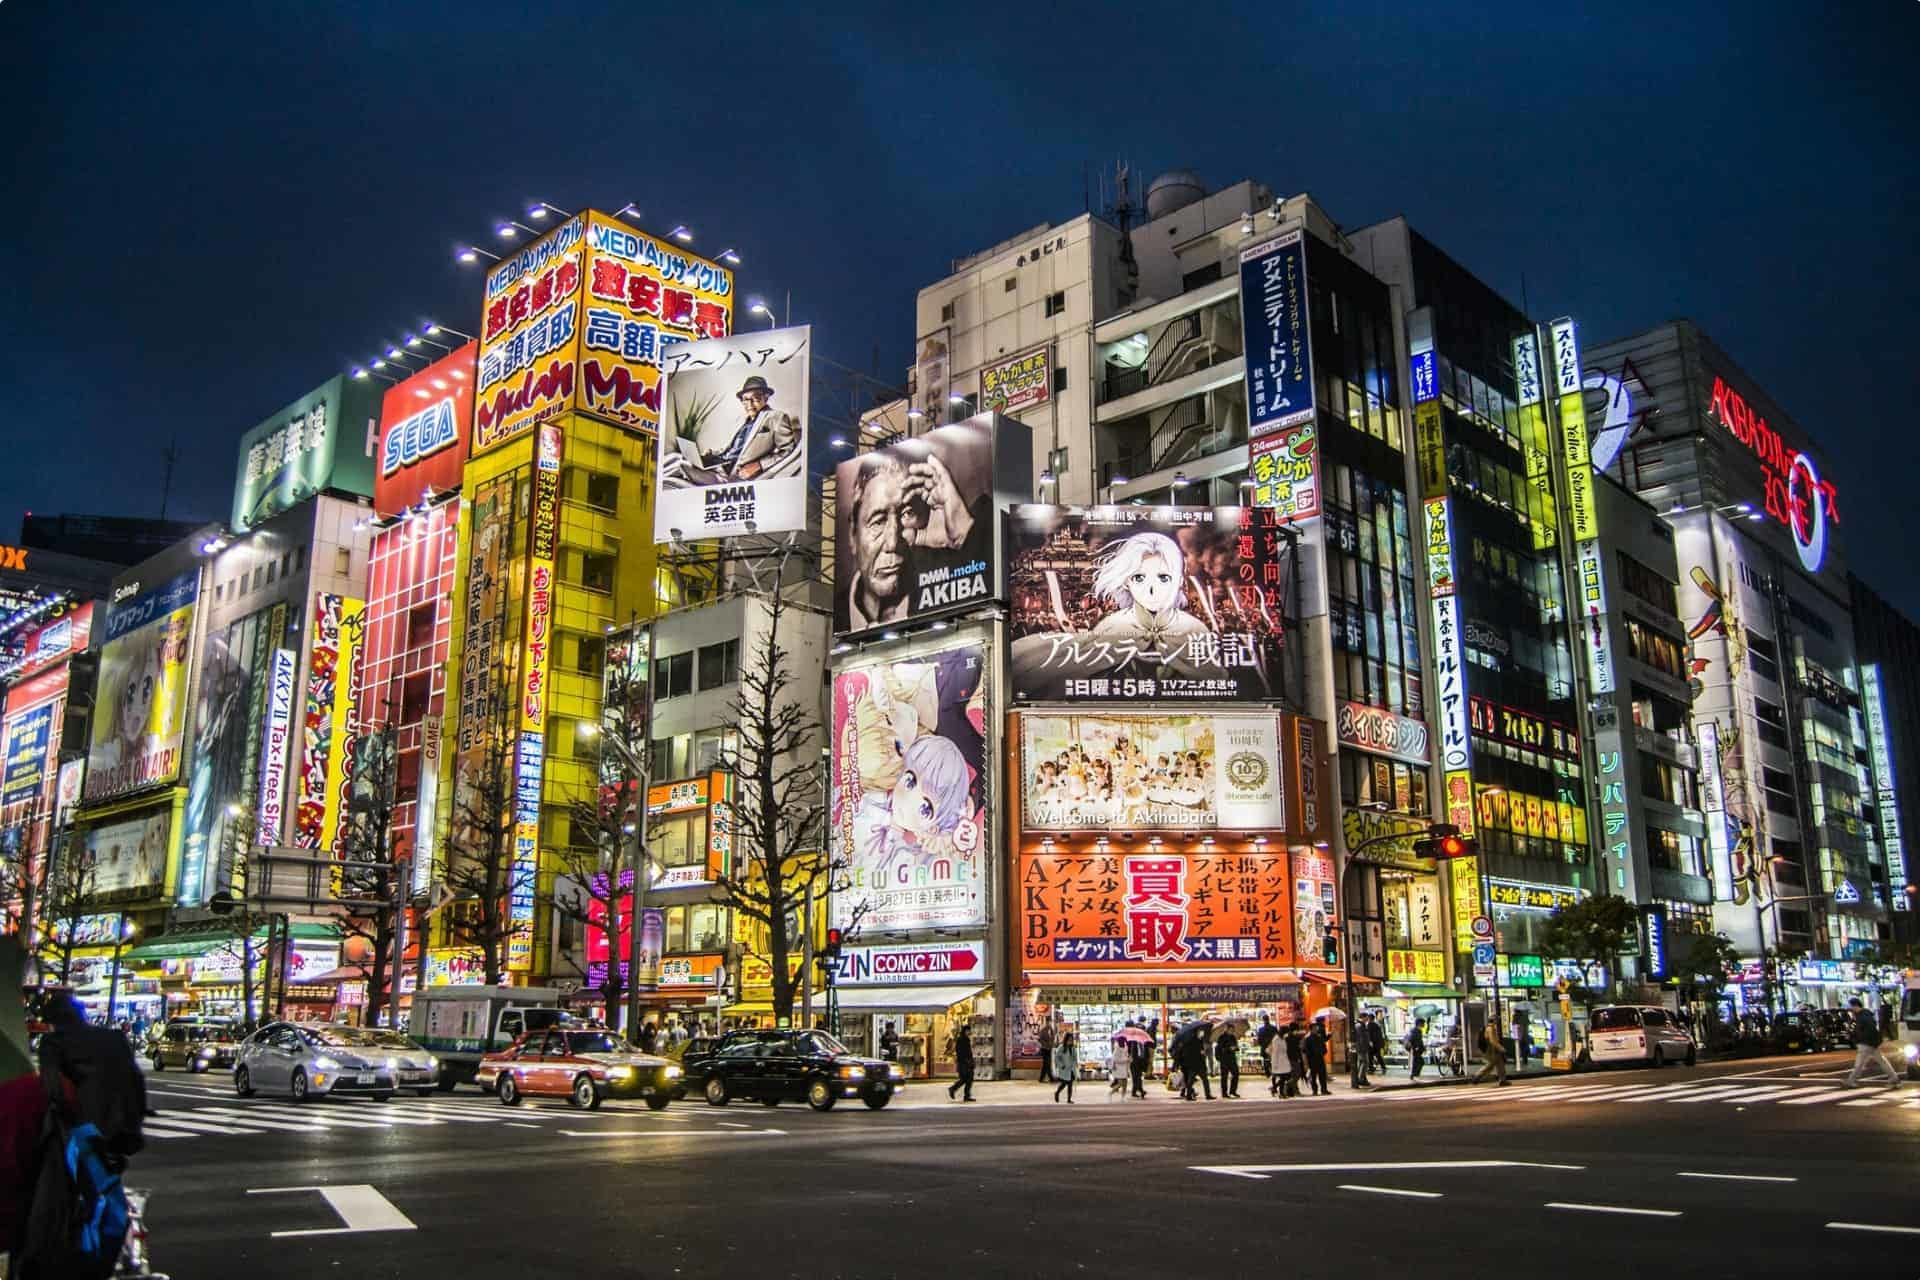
x,y
1866,1047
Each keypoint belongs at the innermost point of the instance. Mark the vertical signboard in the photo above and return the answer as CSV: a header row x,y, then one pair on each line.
x,y
1653,940
1583,516
328,669
530,757
273,746
1886,793
1533,438
1430,444
1713,804
530,337
1449,647
1285,469
1276,334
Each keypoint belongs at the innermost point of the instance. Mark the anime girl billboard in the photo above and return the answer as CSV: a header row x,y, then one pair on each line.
x,y
1165,603
909,792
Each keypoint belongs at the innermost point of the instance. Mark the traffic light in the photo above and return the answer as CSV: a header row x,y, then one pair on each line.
x,y
1330,945
1446,842
829,956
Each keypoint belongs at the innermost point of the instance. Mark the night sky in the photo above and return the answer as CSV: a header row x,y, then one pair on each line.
x,y
210,208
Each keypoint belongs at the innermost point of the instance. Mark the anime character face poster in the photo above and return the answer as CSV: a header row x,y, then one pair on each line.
x,y
909,792
140,716
1165,603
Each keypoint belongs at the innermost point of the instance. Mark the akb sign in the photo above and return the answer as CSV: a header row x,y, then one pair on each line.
x,y
420,436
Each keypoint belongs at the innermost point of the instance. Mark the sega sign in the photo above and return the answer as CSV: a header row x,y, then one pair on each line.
x,y
425,422
423,435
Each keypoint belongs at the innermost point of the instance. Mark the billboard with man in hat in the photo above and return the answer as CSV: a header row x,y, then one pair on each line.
x,y
733,436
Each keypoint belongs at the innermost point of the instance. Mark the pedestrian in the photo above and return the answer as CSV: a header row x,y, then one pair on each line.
x,y
963,1061
1119,1067
1046,1051
1866,1047
1280,1066
90,1073
1139,1062
1226,1051
1066,1065
1358,1050
1296,1042
1496,1063
1377,1042
1264,1038
889,1044
647,1035
1416,1045
1315,1047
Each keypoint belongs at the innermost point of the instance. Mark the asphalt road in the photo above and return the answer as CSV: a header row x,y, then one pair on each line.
x,y
1757,1168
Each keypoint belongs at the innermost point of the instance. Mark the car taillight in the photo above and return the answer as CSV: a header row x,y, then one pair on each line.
x,y
1640,1041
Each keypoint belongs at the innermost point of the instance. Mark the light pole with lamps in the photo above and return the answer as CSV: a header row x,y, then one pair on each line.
x,y
121,933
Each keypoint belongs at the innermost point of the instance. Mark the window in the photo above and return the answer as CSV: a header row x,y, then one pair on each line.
x,y
1199,276
712,746
1059,378
673,676
342,560
259,572
946,312
590,655
220,591
596,572
1012,284
602,491
299,558
1647,584
271,568
719,664
420,626
1056,302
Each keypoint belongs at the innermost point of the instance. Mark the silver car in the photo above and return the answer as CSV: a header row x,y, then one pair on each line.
x,y
304,1061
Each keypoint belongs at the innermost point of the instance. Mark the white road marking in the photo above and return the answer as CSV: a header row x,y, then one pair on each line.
x,y
1815,1096
367,1119
515,1124
360,1207
292,1115
636,1133
1613,1208
1390,1191
155,1131
1739,1177
728,1124
1871,1226
1708,1094
1263,1171
1869,1102
239,1124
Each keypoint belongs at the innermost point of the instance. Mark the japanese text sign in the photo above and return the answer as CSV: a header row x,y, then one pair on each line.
x,y
1277,333
322,441
1285,469
733,440
1151,772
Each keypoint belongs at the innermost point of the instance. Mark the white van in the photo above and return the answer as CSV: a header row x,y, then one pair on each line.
x,y
1903,1048
1638,1033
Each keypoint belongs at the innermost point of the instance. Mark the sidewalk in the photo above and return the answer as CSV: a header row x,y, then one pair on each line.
x,y
1095,1093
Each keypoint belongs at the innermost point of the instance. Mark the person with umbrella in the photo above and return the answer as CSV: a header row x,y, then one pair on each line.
x,y
1188,1050
1281,1065
1295,1043
1122,1057
1142,1056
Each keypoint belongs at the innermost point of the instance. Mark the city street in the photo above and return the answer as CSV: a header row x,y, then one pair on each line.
x,y
1757,1167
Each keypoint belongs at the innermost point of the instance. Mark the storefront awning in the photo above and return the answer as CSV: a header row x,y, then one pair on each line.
x,y
1418,991
905,999
188,946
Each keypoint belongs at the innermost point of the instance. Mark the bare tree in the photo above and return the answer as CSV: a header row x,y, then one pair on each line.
x,y
369,878
64,881
602,868
780,858
479,851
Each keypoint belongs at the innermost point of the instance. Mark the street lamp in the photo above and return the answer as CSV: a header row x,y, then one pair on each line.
x,y
759,307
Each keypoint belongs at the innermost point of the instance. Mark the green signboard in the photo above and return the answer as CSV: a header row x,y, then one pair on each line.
x,y
1522,971
323,440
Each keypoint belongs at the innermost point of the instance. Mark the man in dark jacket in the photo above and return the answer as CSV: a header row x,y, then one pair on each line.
x,y
1866,1047
1315,1049
92,1072
1226,1051
963,1062
1377,1043
1046,1052
1139,1062
1264,1038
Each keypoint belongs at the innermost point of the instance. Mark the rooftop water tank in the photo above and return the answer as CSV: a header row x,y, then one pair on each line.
x,y
1174,189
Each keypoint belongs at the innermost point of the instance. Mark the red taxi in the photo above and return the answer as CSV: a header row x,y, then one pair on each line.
x,y
582,1065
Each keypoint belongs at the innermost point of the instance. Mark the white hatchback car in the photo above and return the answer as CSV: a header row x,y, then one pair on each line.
x,y
1638,1033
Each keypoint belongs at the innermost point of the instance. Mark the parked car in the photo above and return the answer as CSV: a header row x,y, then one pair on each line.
x,y
308,1061
774,1066
584,1066
194,1044
1638,1033
1801,1031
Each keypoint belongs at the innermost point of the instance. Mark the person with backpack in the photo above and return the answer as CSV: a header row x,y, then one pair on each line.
x,y
1866,1047
1416,1046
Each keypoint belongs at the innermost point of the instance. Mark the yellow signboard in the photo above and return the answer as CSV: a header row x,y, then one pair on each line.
x,y
1417,966
1576,454
1465,874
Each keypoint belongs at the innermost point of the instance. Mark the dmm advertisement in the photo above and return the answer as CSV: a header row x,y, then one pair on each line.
x,y
140,713
733,439
909,791
1170,603
913,529
1151,772
1141,908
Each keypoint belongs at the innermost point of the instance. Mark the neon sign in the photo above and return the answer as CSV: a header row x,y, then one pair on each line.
x,y
1796,496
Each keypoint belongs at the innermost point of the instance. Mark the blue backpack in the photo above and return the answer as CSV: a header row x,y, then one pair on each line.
x,y
79,1218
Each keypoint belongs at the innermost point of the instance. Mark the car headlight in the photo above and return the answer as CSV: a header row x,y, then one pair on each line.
x,y
849,1073
433,1063
895,1073
207,1052
1912,1051
670,1072
326,1063
619,1073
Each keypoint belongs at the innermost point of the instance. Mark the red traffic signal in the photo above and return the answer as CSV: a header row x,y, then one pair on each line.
x,y
833,938
1447,842
1451,847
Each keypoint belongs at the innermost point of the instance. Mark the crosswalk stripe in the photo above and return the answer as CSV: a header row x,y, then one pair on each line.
x,y
317,1116
1723,1093
1867,1102
227,1115
1778,1091
1814,1097
221,1126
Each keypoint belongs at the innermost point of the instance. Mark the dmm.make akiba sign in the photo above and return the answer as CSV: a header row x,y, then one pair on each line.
x,y
1796,496
948,962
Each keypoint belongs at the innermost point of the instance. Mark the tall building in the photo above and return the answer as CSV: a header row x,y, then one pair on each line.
x,y
1796,863
1889,651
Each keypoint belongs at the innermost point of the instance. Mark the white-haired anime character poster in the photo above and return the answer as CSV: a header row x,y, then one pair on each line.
x,y
1164,603
910,791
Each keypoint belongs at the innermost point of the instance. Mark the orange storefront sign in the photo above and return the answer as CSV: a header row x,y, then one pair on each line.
x,y
1154,910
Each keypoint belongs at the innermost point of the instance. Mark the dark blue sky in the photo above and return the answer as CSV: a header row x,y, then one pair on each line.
x,y
211,208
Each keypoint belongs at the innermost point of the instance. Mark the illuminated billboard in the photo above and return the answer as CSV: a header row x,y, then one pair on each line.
x,y
733,442
1169,603
320,442
1018,382
127,857
425,423
1276,332
231,694
909,791
1152,772
579,320
329,666
1449,645
530,749
1285,470
915,530
139,721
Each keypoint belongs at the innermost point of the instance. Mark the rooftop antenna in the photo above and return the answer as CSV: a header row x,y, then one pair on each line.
x,y
168,455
